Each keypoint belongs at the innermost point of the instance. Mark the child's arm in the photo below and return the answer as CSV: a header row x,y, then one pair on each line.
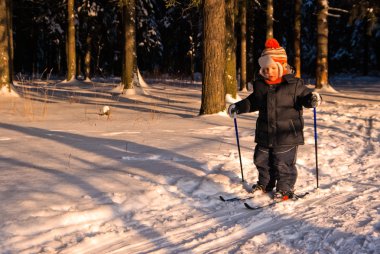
x,y
306,97
249,104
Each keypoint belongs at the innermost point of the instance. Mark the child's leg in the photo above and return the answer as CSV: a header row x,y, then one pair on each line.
x,y
273,178
284,160
261,160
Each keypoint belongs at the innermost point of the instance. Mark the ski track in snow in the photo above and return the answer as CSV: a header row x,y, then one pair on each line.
x,y
181,213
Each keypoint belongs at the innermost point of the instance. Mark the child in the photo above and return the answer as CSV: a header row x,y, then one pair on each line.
x,y
279,97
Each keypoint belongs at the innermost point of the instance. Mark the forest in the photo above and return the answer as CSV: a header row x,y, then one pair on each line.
x,y
145,126
82,39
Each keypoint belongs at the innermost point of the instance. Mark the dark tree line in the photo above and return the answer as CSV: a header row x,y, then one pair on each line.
x,y
169,39
85,38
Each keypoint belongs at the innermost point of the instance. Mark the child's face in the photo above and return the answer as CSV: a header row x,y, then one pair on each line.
x,y
271,72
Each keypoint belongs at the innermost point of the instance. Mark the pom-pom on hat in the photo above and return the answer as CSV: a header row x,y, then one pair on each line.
x,y
272,43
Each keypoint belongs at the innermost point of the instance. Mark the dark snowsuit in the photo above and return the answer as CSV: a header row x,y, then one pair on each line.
x,y
279,128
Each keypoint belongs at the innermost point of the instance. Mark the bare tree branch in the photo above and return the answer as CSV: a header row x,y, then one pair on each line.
x,y
338,9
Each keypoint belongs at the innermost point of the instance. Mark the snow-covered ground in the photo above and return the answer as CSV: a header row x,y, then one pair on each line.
x,y
147,177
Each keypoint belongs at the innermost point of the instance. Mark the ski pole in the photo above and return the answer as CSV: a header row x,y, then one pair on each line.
x,y
238,144
316,145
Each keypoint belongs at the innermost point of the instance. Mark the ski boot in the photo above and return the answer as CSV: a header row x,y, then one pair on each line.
x,y
283,195
257,188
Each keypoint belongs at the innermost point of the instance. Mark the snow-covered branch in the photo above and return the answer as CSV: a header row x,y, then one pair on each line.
x,y
338,9
333,15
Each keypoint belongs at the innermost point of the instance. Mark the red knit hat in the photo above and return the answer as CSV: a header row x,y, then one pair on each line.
x,y
273,53
274,50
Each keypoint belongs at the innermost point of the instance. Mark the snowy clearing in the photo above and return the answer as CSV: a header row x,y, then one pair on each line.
x,y
146,178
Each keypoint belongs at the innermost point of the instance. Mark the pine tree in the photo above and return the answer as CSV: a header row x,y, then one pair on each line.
x,y
269,19
129,71
297,37
230,77
322,45
70,41
243,45
213,90
250,41
5,47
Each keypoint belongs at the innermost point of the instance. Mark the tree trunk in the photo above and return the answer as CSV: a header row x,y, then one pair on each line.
x,y
269,19
322,46
192,62
250,41
10,43
297,37
367,38
243,46
129,71
5,75
230,78
213,89
87,58
79,65
59,60
70,41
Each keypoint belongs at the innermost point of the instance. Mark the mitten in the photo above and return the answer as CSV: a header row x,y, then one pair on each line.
x,y
232,110
315,99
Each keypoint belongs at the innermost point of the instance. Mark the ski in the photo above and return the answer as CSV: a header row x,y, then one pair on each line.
x,y
235,199
241,198
294,198
261,206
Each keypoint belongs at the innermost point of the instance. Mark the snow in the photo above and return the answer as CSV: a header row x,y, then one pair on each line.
x,y
230,99
8,91
147,177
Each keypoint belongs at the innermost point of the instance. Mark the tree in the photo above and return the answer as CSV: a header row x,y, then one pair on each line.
x,y
269,19
129,71
10,34
243,46
363,13
230,78
6,48
149,44
250,40
297,37
322,45
70,41
213,90
88,12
